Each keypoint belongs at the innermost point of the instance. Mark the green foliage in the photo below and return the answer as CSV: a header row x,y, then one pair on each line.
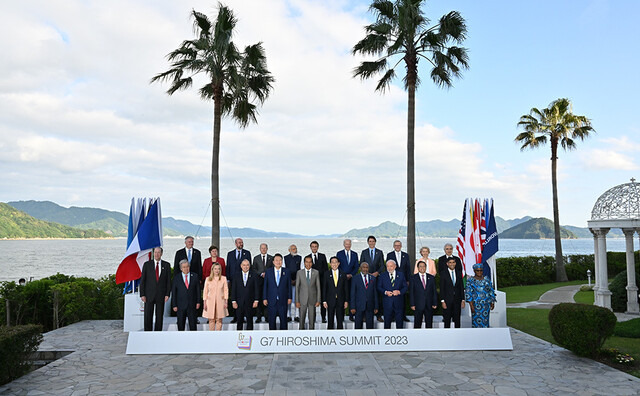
x,y
539,228
17,343
17,224
520,294
77,299
618,288
629,328
582,329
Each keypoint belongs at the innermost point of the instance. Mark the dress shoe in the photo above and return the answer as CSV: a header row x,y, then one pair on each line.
x,y
324,320
197,321
258,320
297,319
288,318
406,319
380,319
351,318
234,320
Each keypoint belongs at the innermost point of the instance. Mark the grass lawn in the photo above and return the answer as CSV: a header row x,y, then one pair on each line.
x,y
584,297
520,294
536,322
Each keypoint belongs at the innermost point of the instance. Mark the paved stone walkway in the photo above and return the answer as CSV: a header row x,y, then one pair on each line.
x,y
99,366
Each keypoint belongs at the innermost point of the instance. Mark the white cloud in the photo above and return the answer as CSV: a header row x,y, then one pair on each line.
x,y
607,159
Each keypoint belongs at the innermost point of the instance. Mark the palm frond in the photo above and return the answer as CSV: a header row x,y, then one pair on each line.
x,y
385,81
383,9
453,27
368,69
372,44
180,84
201,24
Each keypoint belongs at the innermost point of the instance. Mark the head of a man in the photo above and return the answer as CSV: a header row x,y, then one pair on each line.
x,y
293,249
347,244
334,263
245,265
364,268
371,241
448,249
308,262
264,248
397,245
157,253
314,246
391,266
188,242
184,266
277,260
239,243
422,267
451,263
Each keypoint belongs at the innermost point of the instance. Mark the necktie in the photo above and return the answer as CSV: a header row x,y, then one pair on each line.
x,y
314,259
157,272
393,280
277,277
348,256
335,278
372,253
453,277
186,280
308,277
237,255
264,260
366,281
189,255
424,284
244,274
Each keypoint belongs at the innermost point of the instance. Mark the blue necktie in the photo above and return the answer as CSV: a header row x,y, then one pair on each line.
x,y
277,277
189,255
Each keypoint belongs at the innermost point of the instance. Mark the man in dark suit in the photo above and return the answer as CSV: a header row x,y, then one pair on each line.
x,y
245,295
364,297
234,258
375,258
319,264
423,295
348,263
193,256
393,286
155,286
293,262
277,293
448,253
336,293
261,262
402,265
185,296
451,293
308,292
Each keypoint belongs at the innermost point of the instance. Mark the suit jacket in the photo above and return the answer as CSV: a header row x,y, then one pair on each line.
x,y
292,263
258,266
423,297
363,298
376,263
308,293
450,293
400,283
196,261
245,294
442,263
404,265
233,265
272,291
184,298
320,265
332,294
149,288
352,266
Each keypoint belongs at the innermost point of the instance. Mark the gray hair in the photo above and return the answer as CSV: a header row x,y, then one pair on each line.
x,y
448,244
183,261
188,237
397,240
392,261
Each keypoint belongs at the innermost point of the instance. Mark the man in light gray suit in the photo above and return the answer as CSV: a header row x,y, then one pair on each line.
x,y
308,292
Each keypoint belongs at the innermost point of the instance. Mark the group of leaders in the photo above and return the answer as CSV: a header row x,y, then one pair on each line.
x,y
265,286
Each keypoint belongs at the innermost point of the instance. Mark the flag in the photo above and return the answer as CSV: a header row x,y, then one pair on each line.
x,y
483,223
469,250
461,234
149,236
491,244
477,245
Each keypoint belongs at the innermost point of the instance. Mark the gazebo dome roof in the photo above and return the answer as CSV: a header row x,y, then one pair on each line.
x,y
621,202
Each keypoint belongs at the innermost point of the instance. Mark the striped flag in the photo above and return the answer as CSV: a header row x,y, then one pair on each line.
x,y
461,233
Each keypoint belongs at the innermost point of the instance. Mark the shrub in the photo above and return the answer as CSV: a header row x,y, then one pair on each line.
x,y
580,328
618,288
17,343
629,329
530,270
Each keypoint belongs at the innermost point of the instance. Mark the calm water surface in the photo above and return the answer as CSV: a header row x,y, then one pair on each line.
x,y
96,258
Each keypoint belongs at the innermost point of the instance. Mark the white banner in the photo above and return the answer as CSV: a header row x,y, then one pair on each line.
x,y
325,341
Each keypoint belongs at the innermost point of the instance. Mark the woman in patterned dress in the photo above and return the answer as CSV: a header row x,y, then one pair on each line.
x,y
481,297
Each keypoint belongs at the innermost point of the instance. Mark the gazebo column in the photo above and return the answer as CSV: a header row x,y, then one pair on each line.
x,y
603,295
632,288
596,275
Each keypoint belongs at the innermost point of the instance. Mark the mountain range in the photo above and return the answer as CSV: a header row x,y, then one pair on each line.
x,y
114,224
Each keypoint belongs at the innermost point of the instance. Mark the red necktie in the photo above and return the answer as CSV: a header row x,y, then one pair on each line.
x,y
186,281
366,281
424,285
157,272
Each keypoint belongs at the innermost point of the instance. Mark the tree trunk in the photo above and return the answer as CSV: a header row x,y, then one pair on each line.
x,y
215,171
561,273
411,188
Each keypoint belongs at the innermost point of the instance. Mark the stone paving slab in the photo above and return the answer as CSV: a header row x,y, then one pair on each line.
x,y
99,366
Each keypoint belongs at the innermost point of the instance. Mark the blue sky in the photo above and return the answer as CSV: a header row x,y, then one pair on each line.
x,y
80,124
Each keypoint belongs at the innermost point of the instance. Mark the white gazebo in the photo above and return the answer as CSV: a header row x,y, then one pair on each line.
x,y
619,207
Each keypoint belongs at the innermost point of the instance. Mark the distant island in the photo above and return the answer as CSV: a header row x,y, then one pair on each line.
x,y
16,224
84,222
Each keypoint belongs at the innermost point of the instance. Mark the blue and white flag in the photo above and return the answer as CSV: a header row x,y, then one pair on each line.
x,y
490,247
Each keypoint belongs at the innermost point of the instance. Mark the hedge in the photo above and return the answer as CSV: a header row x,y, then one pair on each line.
x,y
618,289
17,343
581,328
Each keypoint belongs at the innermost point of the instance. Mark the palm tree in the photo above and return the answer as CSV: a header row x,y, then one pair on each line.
x,y
557,124
235,80
401,34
